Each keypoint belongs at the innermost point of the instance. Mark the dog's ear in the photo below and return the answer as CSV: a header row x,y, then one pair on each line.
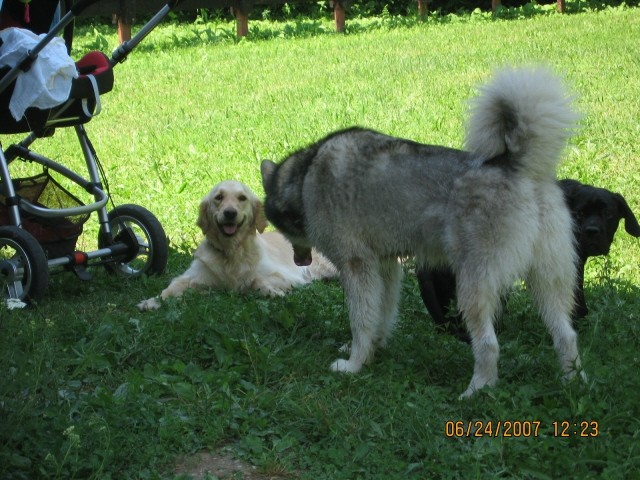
x,y
267,167
203,216
258,215
630,221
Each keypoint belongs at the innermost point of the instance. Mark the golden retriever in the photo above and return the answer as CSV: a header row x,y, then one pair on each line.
x,y
235,253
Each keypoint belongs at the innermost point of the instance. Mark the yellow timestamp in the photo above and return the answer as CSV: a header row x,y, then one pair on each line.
x,y
520,428
582,428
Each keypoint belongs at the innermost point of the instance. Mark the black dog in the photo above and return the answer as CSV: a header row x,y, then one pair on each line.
x,y
596,213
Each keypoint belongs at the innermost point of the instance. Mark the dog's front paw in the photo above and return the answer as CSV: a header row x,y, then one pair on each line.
x,y
467,393
270,290
478,382
345,366
571,374
276,292
149,304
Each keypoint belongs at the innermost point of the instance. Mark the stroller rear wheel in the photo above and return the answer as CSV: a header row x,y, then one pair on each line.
x,y
24,271
138,227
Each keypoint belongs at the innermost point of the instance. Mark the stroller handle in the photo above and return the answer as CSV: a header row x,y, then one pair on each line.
x,y
101,201
120,54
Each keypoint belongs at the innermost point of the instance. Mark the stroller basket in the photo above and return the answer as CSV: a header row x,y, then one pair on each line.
x,y
58,236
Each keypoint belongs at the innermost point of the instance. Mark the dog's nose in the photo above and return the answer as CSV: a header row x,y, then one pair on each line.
x,y
230,214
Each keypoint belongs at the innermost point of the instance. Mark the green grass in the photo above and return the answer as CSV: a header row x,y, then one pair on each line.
x,y
91,388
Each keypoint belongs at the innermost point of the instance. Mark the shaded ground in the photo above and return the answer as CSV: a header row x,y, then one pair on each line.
x,y
223,466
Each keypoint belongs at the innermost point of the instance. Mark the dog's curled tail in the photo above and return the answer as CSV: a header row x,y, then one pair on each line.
x,y
525,113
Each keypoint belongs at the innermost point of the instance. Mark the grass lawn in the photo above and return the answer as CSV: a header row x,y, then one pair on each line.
x,y
92,388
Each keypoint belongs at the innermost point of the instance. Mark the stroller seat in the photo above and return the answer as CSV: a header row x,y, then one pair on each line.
x,y
95,77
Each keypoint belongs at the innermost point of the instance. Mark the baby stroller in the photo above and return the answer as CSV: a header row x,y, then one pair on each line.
x,y
41,220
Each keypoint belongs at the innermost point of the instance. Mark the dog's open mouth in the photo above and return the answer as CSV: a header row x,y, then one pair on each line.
x,y
230,228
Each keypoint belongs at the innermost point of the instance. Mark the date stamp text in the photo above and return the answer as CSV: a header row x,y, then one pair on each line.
x,y
520,428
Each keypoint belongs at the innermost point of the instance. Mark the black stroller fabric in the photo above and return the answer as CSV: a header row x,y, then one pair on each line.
x,y
94,63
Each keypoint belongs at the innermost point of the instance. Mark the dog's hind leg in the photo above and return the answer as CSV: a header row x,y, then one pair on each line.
x,y
553,295
364,288
391,271
479,307
552,281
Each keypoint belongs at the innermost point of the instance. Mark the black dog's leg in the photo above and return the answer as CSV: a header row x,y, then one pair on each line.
x,y
434,294
438,291
580,309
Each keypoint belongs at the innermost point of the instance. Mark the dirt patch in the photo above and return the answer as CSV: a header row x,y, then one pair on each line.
x,y
224,466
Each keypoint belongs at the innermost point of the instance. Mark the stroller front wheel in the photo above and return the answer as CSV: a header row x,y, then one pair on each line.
x,y
24,271
138,228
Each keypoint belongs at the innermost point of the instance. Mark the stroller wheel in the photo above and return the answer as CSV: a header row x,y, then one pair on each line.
x,y
137,227
24,271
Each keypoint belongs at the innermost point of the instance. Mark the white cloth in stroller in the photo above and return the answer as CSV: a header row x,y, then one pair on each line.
x,y
48,82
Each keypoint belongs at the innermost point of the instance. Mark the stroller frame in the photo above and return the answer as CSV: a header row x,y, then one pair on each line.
x,y
131,241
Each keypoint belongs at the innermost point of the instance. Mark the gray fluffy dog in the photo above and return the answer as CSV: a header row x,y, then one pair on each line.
x,y
493,214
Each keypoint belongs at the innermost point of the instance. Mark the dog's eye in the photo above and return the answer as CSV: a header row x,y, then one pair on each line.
x,y
219,197
242,198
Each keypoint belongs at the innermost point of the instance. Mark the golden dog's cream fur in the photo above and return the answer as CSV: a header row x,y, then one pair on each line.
x,y
235,253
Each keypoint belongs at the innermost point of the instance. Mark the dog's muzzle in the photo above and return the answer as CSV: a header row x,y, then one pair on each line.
x,y
302,256
593,241
229,224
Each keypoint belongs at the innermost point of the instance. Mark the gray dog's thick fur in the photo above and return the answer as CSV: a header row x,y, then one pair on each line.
x,y
493,214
